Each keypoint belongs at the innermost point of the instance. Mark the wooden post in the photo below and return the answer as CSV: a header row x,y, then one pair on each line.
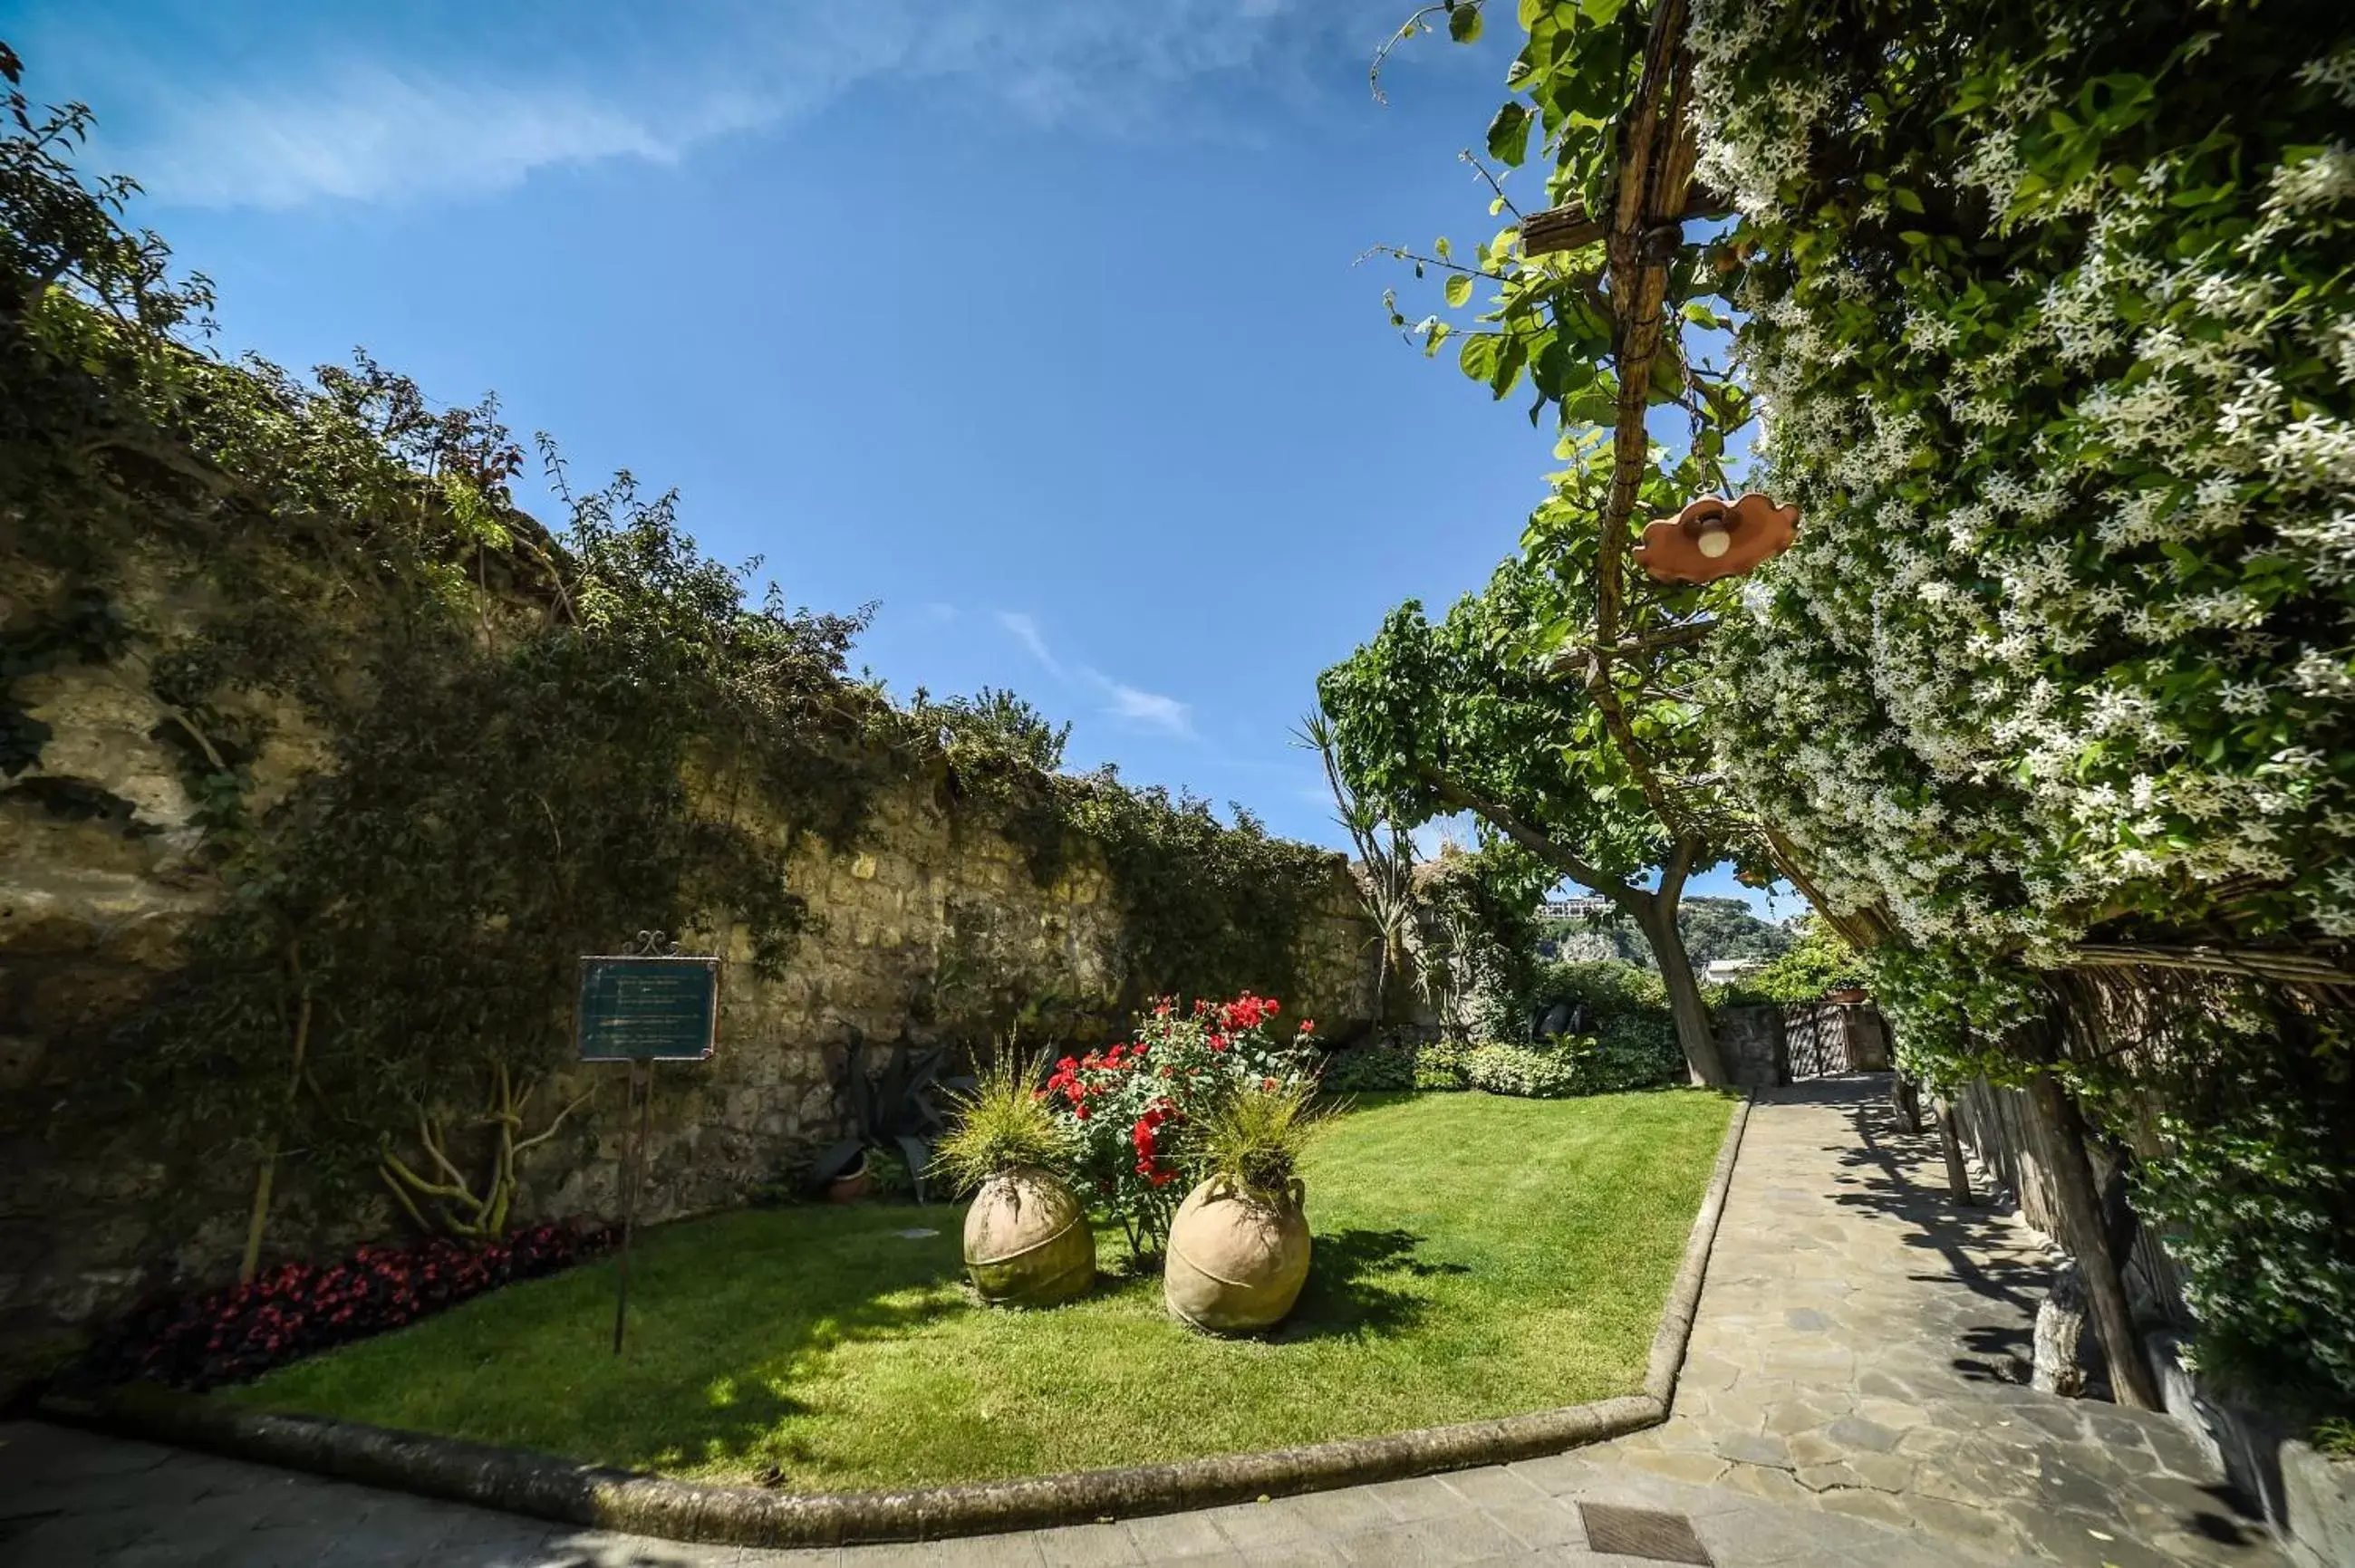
x,y
633,1164
2081,1211
1908,1101
1958,1174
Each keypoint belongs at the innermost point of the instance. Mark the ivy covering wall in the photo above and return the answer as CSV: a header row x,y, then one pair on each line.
x,y
437,749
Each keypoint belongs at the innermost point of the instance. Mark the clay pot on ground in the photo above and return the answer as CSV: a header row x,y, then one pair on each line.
x,y
1236,1261
1028,1242
852,1184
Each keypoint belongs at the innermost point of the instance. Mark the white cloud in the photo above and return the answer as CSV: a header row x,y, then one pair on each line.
x,y
1026,632
1134,704
375,111
1148,708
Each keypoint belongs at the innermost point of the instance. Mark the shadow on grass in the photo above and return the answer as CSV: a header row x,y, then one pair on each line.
x,y
1354,1277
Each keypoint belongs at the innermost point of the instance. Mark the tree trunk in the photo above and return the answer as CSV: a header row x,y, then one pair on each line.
x,y
2106,1290
1908,1102
258,1218
1656,915
1958,1175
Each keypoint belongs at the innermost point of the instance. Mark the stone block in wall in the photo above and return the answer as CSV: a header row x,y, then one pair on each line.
x,y
1751,1041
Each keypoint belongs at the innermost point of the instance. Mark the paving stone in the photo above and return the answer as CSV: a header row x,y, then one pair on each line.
x,y
1814,1448
1542,1523
1699,1468
1434,1541
1088,1546
1169,1537
1753,1450
1882,1472
1252,1527
1553,1474
1428,1497
1858,1433
1822,1478
1491,1486
1352,1509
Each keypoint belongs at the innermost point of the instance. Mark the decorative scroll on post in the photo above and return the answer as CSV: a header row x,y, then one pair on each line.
x,y
653,1004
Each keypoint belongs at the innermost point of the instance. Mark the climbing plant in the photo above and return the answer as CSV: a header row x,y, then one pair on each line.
x,y
2048,312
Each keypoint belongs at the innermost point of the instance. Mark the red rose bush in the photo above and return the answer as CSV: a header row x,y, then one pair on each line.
x,y
1126,1108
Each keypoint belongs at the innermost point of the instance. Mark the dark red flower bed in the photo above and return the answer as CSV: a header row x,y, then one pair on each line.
x,y
301,1308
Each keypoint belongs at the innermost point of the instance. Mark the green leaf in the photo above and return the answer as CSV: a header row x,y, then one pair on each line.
x,y
1464,23
1480,356
1440,245
1509,134
1905,200
1459,289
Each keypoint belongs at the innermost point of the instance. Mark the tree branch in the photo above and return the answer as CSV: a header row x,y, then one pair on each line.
x,y
1672,876
1509,823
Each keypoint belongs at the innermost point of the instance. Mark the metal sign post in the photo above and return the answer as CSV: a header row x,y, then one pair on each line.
x,y
652,1005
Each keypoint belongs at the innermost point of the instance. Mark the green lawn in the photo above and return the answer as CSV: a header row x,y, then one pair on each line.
x,y
1474,1257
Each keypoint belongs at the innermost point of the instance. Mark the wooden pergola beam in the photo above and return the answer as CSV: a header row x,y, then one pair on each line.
x,y
1568,226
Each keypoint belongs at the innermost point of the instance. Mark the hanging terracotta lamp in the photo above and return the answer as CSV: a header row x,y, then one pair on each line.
x,y
1711,539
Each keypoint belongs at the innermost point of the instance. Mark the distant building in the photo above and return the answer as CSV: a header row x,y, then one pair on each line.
x,y
1717,972
1574,908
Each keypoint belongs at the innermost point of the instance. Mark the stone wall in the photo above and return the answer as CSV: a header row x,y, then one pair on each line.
x,y
102,882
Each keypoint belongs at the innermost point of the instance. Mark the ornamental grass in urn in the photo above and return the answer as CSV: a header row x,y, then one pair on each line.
x,y
1027,1238
1238,1250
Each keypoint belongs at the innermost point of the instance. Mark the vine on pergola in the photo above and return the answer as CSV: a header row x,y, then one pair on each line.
x,y
2049,309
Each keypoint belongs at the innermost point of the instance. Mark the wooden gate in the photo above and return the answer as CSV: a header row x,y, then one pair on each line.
x,y
1824,1039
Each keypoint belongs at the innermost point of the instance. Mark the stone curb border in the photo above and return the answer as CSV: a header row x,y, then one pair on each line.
x,y
599,1498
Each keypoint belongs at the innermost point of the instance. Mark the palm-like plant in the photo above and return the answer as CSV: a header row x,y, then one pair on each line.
x,y
1387,853
1000,1125
1254,1138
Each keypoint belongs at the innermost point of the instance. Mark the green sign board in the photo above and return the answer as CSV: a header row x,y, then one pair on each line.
x,y
648,1009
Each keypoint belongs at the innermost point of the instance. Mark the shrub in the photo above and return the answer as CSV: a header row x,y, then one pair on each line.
x,y
1385,1066
1634,1042
1610,988
1640,1056
1819,961
1124,1109
1001,1125
297,1309
1548,1071
1442,1064
1391,1067
1635,1051
2255,1209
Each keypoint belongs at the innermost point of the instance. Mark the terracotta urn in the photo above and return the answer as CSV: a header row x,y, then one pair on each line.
x,y
1236,1260
1028,1242
853,1184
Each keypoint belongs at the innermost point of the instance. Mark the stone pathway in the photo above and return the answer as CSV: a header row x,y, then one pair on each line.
x,y
1863,1348
1852,1397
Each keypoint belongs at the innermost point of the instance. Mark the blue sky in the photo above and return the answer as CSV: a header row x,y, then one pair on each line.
x,y
1038,323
